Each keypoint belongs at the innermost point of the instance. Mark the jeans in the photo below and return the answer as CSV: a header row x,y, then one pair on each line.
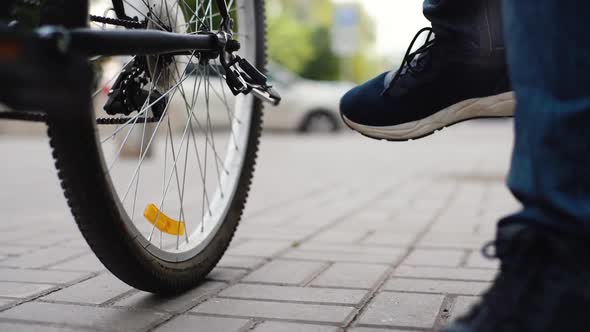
x,y
548,48
468,24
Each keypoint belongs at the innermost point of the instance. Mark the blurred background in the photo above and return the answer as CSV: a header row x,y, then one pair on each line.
x,y
318,49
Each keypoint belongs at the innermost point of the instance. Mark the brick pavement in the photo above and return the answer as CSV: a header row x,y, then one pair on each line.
x,y
341,233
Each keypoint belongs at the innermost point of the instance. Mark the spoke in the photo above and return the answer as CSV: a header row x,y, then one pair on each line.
x,y
189,110
172,89
139,161
165,113
200,126
211,131
169,181
230,114
181,216
191,116
146,15
183,193
206,150
198,130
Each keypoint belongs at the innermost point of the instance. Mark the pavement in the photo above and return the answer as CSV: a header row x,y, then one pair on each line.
x,y
340,233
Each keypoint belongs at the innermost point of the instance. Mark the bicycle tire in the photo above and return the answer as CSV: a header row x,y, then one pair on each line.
x,y
96,206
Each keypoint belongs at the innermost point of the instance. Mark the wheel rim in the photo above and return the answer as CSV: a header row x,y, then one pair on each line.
x,y
183,163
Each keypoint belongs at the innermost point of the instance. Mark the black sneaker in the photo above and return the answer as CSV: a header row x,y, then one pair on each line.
x,y
543,285
438,85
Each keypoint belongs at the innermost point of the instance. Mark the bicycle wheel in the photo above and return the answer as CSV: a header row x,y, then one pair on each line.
x,y
158,188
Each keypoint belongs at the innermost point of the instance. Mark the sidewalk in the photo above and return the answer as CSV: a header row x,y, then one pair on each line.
x,y
340,233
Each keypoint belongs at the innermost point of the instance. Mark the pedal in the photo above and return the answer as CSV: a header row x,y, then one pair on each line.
x,y
242,77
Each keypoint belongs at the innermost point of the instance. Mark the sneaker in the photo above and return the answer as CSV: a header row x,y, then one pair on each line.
x,y
543,285
438,85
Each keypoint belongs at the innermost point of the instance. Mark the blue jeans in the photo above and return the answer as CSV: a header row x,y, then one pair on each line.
x,y
548,49
468,24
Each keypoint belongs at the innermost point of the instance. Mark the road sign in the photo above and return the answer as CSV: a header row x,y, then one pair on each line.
x,y
345,29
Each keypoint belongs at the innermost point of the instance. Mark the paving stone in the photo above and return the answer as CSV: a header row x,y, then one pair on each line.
x,y
20,290
434,257
4,302
294,294
240,262
19,327
476,259
273,233
436,286
453,240
15,250
191,323
462,306
42,257
371,329
402,309
39,276
259,248
293,327
445,273
285,272
223,274
348,249
143,300
390,239
331,236
344,257
93,291
70,315
87,263
276,310
346,275
47,239
346,220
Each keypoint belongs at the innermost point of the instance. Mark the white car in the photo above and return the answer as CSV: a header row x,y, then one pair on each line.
x,y
307,106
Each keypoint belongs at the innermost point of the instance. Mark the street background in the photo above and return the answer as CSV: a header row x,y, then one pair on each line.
x,y
340,232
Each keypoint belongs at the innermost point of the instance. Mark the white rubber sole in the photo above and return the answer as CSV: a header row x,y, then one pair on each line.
x,y
498,106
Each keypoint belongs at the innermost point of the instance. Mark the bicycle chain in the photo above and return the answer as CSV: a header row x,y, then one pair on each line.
x,y
118,22
23,116
42,117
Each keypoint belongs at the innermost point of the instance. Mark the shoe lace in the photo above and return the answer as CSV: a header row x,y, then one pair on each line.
x,y
414,62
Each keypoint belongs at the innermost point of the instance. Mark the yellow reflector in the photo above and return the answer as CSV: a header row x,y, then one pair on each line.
x,y
162,221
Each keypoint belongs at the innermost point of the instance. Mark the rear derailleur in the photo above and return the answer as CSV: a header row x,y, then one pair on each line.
x,y
128,95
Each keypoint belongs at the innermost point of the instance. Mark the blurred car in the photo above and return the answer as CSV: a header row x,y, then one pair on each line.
x,y
308,106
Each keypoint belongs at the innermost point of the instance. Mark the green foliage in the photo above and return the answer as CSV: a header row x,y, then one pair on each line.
x,y
325,65
300,40
290,43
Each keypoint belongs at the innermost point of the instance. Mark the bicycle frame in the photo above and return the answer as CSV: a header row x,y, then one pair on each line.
x,y
147,42
40,55
140,42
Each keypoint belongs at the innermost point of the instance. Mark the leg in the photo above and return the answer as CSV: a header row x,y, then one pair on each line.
x,y
551,73
469,23
462,71
545,273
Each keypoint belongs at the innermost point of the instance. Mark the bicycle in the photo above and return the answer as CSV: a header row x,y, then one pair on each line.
x,y
161,218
